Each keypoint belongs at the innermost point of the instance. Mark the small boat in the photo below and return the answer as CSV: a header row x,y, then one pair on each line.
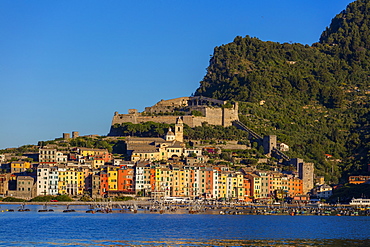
x,y
45,209
68,210
23,209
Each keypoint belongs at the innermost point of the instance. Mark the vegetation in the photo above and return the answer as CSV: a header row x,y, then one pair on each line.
x,y
349,191
123,198
205,132
13,199
48,198
314,98
63,198
42,198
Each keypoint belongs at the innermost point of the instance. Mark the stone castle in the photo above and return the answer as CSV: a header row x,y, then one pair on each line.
x,y
193,110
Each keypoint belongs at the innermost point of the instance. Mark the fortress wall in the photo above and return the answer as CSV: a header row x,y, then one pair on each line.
x,y
158,109
230,115
201,109
160,119
168,105
182,101
124,118
197,121
211,115
214,116
136,118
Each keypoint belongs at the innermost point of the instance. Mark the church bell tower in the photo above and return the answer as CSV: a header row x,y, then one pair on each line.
x,y
179,130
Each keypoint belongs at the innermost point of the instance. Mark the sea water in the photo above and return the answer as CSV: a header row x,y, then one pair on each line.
x,y
79,228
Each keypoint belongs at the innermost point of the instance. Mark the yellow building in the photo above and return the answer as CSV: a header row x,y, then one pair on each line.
x,y
80,181
185,176
150,155
277,185
176,189
98,163
87,152
174,150
163,181
73,181
222,184
19,166
239,188
112,177
62,184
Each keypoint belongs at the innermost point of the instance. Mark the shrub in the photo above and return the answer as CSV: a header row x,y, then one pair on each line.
x,y
63,198
13,199
42,198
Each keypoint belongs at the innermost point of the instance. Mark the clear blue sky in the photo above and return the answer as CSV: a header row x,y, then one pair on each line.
x,y
69,65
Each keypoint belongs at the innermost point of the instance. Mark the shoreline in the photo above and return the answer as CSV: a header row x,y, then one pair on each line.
x,y
146,207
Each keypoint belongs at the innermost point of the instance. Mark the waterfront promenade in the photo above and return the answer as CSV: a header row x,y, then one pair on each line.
x,y
145,206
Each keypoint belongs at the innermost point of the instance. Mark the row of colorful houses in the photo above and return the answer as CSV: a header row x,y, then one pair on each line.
x,y
94,171
152,179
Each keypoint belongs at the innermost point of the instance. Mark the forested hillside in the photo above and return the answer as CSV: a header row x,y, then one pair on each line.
x,y
314,98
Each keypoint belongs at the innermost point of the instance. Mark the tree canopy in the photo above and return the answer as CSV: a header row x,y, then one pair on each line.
x,y
314,98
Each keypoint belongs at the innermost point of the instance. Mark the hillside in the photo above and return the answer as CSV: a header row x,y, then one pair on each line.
x,y
314,98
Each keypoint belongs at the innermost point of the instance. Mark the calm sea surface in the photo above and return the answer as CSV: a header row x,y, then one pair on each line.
x,y
145,229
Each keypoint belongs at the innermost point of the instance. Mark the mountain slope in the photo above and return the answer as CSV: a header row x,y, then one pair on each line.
x,y
314,98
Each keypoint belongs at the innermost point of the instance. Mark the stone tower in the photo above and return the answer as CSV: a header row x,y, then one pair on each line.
x,y
305,172
269,143
75,134
179,130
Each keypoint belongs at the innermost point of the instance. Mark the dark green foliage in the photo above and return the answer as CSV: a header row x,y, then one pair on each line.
x,y
205,132
147,129
209,132
48,198
63,198
314,98
197,113
349,191
42,198
13,199
123,198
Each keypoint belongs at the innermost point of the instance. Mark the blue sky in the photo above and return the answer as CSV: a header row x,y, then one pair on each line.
x,y
69,65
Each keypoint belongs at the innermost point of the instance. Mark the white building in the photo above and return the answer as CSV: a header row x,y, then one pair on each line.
x,y
53,181
139,177
47,155
215,189
323,191
61,158
47,180
196,151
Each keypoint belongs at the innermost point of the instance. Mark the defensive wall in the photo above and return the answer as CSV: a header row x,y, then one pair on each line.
x,y
214,112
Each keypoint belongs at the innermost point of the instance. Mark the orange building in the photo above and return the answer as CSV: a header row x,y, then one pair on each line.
x,y
295,186
126,179
103,183
247,189
209,183
358,179
152,179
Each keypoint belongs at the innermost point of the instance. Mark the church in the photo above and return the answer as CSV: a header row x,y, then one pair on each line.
x,y
156,149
